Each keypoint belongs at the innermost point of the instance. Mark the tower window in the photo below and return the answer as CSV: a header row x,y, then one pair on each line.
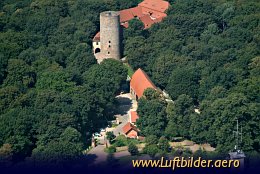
x,y
108,52
109,46
109,41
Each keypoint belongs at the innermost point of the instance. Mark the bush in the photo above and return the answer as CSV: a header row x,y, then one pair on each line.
x,y
187,153
151,150
120,141
163,144
111,149
132,149
200,153
151,139
176,152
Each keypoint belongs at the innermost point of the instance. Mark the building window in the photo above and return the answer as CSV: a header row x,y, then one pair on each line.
x,y
109,46
108,52
96,43
97,50
109,41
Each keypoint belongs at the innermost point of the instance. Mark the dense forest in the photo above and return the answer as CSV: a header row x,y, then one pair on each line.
x,y
53,95
205,54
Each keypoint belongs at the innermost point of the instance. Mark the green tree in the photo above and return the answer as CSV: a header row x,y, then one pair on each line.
x,y
66,148
111,149
164,65
179,115
151,94
226,111
151,139
80,61
163,144
8,95
183,81
152,120
110,136
21,146
57,80
151,150
135,28
103,82
132,149
19,74
200,153
6,155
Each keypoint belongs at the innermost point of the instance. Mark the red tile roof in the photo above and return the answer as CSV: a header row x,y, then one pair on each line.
x,y
145,9
157,20
133,116
97,37
148,22
155,5
156,14
126,15
125,24
137,11
140,82
128,127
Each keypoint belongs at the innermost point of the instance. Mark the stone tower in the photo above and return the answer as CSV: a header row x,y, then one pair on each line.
x,y
110,35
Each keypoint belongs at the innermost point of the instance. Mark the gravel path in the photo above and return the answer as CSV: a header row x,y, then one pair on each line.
x,y
97,154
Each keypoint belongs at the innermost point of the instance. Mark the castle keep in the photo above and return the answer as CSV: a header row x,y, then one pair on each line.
x,y
107,42
109,45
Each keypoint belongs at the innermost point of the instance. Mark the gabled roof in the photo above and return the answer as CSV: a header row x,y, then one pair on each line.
x,y
148,11
155,5
140,82
156,14
148,22
97,37
133,116
128,127
136,11
126,15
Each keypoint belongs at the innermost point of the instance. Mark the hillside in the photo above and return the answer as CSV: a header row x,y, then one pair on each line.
x,y
205,54
52,92
54,95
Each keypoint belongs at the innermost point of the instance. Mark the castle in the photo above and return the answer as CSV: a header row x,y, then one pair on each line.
x,y
107,42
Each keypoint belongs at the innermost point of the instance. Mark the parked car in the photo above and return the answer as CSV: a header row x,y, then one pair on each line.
x,y
97,135
113,121
102,130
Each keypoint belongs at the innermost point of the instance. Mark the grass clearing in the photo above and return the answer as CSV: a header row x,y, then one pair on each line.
x,y
130,70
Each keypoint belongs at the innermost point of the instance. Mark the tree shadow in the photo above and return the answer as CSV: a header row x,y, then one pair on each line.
x,y
111,161
124,104
90,159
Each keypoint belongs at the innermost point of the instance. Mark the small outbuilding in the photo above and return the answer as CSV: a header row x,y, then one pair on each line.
x,y
130,130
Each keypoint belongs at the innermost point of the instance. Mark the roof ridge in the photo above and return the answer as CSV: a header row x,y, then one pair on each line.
x,y
147,77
